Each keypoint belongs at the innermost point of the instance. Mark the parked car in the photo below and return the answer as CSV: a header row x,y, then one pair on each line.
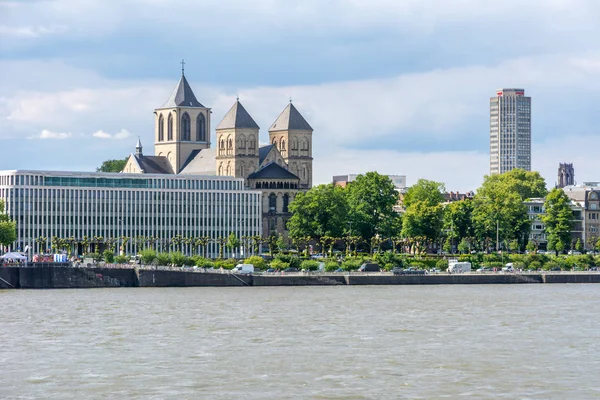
x,y
397,271
369,267
339,270
270,270
291,269
413,271
574,253
484,269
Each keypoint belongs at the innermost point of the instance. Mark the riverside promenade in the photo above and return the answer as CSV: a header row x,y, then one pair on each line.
x,y
61,277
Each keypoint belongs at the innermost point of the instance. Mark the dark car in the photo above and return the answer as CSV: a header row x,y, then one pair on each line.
x,y
270,270
413,271
397,271
291,269
369,267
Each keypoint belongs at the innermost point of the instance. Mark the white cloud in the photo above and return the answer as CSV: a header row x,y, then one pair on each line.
x,y
30,31
122,134
46,134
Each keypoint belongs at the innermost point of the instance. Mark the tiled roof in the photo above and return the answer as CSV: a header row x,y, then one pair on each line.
x,y
201,162
263,152
154,164
237,117
272,171
290,119
182,96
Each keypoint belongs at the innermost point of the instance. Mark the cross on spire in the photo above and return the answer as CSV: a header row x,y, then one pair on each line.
x,y
182,66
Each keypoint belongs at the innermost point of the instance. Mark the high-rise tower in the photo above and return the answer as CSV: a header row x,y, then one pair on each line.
x,y
510,131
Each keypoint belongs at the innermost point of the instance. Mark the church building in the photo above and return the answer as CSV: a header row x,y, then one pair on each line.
x,y
182,145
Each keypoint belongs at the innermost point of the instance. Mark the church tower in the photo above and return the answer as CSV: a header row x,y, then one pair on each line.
x,y
182,126
237,143
292,136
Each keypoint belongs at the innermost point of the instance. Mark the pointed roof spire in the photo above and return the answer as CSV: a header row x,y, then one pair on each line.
x,y
138,147
237,117
182,95
290,119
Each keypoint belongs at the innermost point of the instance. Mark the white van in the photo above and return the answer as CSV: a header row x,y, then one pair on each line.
x,y
243,269
508,268
458,267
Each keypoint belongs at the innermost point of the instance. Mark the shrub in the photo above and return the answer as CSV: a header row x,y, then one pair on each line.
x,y
494,264
290,260
331,266
493,257
204,263
550,265
177,258
109,256
388,267
310,265
225,264
121,259
442,265
163,259
257,261
147,255
279,264
418,264
351,265
534,265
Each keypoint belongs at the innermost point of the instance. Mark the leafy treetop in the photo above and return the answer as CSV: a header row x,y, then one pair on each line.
x,y
112,165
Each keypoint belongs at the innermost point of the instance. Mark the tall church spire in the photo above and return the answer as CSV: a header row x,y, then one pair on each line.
x,y
183,95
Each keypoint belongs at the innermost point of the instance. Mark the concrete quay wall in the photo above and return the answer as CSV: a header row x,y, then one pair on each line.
x,y
68,277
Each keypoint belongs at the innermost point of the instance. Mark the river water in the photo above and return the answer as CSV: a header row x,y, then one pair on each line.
x,y
386,342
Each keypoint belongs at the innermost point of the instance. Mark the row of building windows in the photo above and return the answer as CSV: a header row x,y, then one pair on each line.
x,y
126,183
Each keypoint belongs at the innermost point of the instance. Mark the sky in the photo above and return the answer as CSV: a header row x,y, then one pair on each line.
x,y
395,86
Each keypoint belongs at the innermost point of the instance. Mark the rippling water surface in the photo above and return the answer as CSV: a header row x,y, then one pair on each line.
x,y
414,342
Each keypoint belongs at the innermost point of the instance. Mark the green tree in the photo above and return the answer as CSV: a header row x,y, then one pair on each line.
x,y
8,228
233,243
499,213
321,211
429,192
464,246
579,246
458,221
112,165
422,220
558,219
526,184
371,199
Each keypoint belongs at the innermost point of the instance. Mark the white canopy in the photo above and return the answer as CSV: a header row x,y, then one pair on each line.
x,y
13,256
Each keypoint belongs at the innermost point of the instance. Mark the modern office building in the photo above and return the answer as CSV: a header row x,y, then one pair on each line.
x,y
110,206
510,131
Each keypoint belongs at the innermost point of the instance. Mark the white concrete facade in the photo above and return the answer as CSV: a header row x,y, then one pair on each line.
x,y
114,205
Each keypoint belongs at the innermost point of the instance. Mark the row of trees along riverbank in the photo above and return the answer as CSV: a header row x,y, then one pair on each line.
x,y
362,216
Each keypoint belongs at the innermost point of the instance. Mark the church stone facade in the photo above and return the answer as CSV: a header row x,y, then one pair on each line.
x,y
182,145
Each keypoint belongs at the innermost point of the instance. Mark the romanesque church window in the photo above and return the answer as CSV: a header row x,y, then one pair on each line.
x,y
200,128
161,128
286,201
170,127
185,127
272,202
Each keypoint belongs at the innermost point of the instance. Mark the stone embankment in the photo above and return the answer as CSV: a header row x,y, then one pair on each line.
x,y
64,276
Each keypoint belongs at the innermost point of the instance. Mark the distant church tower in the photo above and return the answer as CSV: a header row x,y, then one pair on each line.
x,y
292,136
182,125
237,143
566,175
